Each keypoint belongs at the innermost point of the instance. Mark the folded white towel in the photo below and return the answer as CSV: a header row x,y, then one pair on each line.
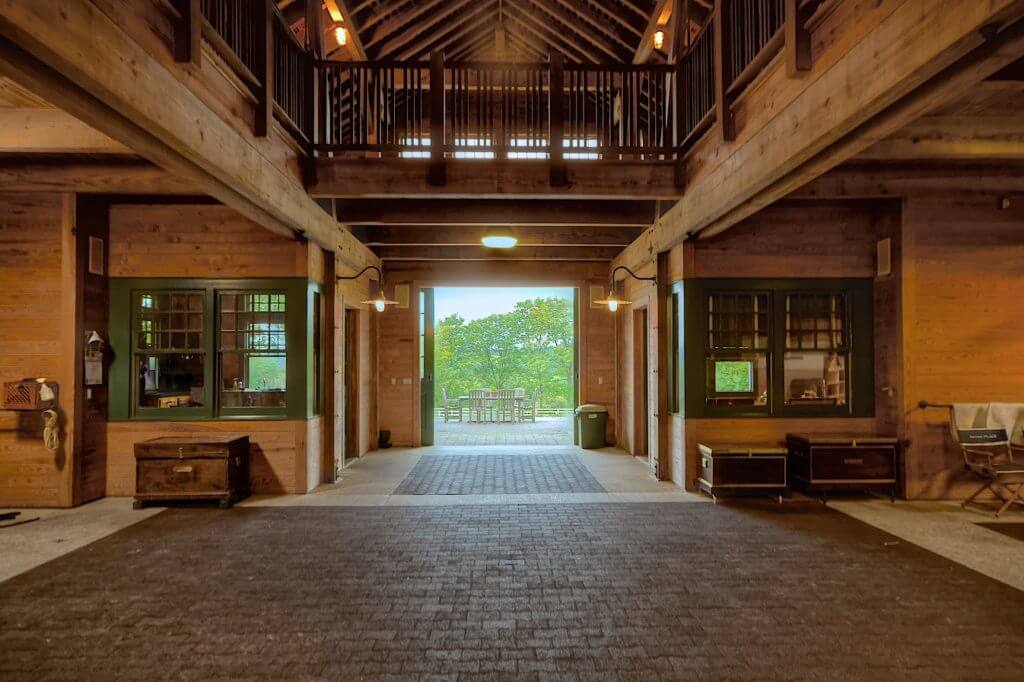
x,y
967,416
1009,416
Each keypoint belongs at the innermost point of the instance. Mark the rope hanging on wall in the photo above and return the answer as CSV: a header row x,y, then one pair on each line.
x,y
51,430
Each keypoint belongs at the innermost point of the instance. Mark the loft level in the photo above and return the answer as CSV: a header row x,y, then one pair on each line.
x,y
443,109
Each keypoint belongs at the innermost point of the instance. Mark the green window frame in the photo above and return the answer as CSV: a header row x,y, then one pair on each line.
x,y
674,349
291,332
844,333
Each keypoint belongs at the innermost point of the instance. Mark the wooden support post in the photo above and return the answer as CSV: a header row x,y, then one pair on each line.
x,y
436,171
188,33
556,130
663,461
314,52
798,40
723,69
263,25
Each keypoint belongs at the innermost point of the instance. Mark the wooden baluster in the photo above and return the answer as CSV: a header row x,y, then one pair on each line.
x,y
723,68
263,23
436,174
188,32
798,40
556,113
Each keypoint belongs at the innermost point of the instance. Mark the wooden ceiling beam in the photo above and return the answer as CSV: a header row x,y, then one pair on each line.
x,y
893,180
572,24
52,131
398,43
470,235
586,17
388,11
872,80
467,31
654,24
548,37
31,173
525,46
479,253
76,57
471,44
508,212
523,178
402,20
466,21
616,17
355,45
953,137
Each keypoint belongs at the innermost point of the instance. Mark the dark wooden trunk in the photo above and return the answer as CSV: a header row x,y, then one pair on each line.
x,y
819,463
742,470
196,468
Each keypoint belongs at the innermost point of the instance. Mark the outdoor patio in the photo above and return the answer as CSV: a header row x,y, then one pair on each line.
x,y
544,431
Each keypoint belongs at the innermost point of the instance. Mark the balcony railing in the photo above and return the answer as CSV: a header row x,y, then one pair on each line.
x,y
446,109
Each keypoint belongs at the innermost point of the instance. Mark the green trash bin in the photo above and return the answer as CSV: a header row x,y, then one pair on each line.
x,y
590,424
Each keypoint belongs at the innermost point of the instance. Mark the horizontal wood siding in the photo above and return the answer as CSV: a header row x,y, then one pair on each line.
x,y
963,324
32,344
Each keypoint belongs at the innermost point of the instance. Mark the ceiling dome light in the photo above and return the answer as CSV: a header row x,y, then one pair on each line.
x,y
493,241
659,40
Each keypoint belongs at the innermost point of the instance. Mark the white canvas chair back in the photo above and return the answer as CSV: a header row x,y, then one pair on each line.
x,y
967,416
1010,417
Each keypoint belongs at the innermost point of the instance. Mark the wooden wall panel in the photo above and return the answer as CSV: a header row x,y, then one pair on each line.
x,y
33,344
277,451
789,239
963,324
198,241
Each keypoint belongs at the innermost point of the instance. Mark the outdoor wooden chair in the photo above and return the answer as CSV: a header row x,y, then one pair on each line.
x,y
989,455
451,408
506,405
527,408
479,404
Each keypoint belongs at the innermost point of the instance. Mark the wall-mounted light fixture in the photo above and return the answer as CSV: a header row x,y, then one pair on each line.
x,y
378,300
659,40
612,300
341,35
496,241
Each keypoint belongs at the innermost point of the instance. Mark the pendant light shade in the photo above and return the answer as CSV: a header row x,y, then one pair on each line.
x,y
378,300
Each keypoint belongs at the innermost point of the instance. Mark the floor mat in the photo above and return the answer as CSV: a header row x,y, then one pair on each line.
x,y
1013,530
498,475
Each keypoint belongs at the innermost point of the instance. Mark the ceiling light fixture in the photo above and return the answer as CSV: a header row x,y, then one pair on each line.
x,y
379,301
612,300
659,40
494,241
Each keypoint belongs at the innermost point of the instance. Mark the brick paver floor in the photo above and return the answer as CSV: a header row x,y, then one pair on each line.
x,y
483,474
572,591
544,431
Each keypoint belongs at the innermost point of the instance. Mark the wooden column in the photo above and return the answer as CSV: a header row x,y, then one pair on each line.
x,y
798,40
723,69
314,53
556,130
662,413
188,33
263,25
436,172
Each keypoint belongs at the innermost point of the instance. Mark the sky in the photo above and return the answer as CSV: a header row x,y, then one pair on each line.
x,y
475,302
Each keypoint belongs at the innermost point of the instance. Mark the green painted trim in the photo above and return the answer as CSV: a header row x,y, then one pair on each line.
x,y
298,340
860,371
427,379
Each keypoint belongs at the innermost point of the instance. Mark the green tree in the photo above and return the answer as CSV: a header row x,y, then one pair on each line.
x,y
530,347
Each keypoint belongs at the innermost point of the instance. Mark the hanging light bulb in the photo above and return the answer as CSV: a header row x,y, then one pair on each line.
x,y
659,40
379,305
612,301
379,301
341,35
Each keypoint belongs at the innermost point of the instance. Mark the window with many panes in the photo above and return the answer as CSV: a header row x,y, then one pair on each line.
x,y
738,340
796,347
252,349
169,350
204,349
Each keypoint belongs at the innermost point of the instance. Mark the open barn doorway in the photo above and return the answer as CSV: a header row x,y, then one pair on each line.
x,y
502,364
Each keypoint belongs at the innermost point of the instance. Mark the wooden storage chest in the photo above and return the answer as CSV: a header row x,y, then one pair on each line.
x,y
192,468
742,470
820,463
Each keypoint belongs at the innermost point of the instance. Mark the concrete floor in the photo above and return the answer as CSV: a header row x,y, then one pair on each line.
x,y
543,431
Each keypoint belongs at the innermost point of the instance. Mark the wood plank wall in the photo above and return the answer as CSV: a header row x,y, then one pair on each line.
x,y
34,264
206,240
398,330
789,239
963,323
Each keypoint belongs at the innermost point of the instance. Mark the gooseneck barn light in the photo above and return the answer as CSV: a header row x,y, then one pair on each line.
x,y
612,300
379,301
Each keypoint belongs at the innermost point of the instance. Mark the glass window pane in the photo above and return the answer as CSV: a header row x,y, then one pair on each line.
x,y
253,349
815,378
170,380
737,379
